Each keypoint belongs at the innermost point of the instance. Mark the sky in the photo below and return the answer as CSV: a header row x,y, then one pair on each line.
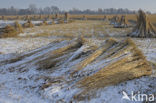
x,y
147,5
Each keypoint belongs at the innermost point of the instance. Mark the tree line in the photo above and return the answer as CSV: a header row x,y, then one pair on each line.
x,y
32,10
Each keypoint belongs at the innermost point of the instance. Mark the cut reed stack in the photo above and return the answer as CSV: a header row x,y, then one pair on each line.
x,y
114,20
28,24
144,28
66,17
18,27
84,66
123,23
8,31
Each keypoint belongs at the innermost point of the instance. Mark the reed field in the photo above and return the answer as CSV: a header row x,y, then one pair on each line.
x,y
66,58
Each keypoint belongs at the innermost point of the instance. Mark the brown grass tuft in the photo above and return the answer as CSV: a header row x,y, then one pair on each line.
x,y
28,24
44,23
18,27
94,55
123,22
8,31
144,28
128,67
66,16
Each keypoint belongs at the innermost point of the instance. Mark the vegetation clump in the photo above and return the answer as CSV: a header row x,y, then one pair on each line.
x,y
27,17
44,23
56,16
132,64
8,31
144,28
123,23
66,17
114,20
28,24
84,17
18,27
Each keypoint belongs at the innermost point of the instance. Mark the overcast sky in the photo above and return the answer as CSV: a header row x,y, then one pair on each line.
x,y
148,5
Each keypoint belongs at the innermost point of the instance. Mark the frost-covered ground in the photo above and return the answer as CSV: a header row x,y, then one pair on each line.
x,y
19,45
24,86
3,23
148,46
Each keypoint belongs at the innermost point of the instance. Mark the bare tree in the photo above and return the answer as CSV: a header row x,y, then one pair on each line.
x,y
47,10
55,9
33,8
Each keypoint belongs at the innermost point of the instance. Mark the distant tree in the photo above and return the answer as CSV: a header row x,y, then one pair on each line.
x,y
33,9
47,10
55,10
40,11
100,10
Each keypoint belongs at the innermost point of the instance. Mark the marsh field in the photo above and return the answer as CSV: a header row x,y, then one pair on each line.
x,y
84,60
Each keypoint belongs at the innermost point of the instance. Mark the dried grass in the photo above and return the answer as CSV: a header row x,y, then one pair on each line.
x,y
123,23
44,23
144,28
18,27
28,24
130,66
94,55
114,20
8,31
66,16
52,58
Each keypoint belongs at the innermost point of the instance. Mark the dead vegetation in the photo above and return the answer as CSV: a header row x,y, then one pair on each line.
x,y
48,59
73,29
132,64
27,17
115,61
108,63
130,17
44,23
144,28
54,57
56,16
3,18
66,16
11,31
8,31
28,24
123,23
114,20
94,55
84,17
18,27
